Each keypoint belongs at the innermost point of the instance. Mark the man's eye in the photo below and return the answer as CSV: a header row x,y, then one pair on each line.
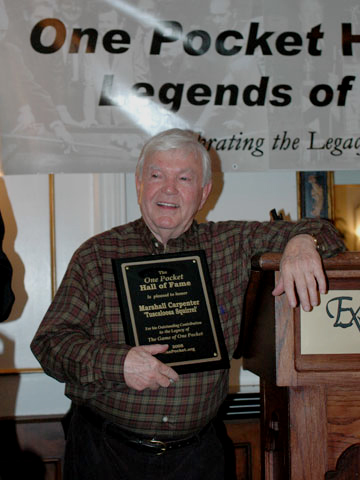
x,y
185,179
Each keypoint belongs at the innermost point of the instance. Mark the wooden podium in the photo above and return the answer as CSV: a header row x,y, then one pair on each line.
x,y
309,366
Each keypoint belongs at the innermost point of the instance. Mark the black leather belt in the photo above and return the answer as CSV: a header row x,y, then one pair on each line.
x,y
159,447
150,445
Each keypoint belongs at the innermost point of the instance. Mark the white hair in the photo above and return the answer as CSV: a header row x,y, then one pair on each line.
x,y
176,139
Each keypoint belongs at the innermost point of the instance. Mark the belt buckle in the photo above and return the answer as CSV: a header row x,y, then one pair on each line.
x,y
159,444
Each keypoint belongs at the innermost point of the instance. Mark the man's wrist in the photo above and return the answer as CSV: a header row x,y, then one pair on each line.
x,y
316,242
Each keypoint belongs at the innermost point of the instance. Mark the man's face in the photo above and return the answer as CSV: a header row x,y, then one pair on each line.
x,y
170,192
221,13
71,10
107,21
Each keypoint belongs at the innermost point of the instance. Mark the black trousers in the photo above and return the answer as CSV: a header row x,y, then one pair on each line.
x,y
94,453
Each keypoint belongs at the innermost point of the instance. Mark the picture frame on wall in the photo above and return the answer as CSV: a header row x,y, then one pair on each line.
x,y
315,194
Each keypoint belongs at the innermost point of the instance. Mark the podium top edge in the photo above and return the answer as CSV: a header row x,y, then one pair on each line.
x,y
342,261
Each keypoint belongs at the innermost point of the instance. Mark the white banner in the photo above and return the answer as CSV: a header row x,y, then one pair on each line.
x,y
269,84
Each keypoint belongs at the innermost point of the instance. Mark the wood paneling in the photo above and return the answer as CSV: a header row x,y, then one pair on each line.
x,y
245,436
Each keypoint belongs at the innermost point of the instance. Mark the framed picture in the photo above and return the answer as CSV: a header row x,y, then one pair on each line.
x,y
315,194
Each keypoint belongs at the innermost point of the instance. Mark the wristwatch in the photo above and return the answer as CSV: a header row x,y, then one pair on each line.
x,y
316,243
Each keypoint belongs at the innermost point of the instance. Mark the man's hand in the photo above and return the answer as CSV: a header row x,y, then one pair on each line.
x,y
142,370
301,272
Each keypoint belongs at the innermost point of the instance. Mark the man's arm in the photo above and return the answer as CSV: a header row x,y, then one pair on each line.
x,y
68,350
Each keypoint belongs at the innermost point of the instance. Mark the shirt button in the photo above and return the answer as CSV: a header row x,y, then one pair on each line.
x,y
165,419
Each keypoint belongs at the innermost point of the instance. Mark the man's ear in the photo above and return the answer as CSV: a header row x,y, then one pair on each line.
x,y
139,187
206,192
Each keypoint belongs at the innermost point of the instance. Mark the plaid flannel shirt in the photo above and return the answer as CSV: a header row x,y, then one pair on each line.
x,y
81,339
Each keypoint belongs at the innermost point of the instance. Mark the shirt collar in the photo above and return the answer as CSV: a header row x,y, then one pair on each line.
x,y
185,241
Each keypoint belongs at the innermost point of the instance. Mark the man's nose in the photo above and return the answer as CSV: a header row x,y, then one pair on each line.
x,y
170,186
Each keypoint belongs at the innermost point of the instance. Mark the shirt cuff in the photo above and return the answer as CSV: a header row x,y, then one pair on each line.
x,y
111,362
329,241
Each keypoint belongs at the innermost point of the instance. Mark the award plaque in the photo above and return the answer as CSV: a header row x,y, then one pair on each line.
x,y
169,299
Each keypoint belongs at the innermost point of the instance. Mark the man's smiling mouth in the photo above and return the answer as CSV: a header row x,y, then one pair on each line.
x,y
168,205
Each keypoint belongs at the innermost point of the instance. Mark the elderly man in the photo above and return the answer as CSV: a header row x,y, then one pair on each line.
x,y
133,416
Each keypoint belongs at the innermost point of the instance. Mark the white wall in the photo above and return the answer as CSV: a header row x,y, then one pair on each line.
x,y
86,204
